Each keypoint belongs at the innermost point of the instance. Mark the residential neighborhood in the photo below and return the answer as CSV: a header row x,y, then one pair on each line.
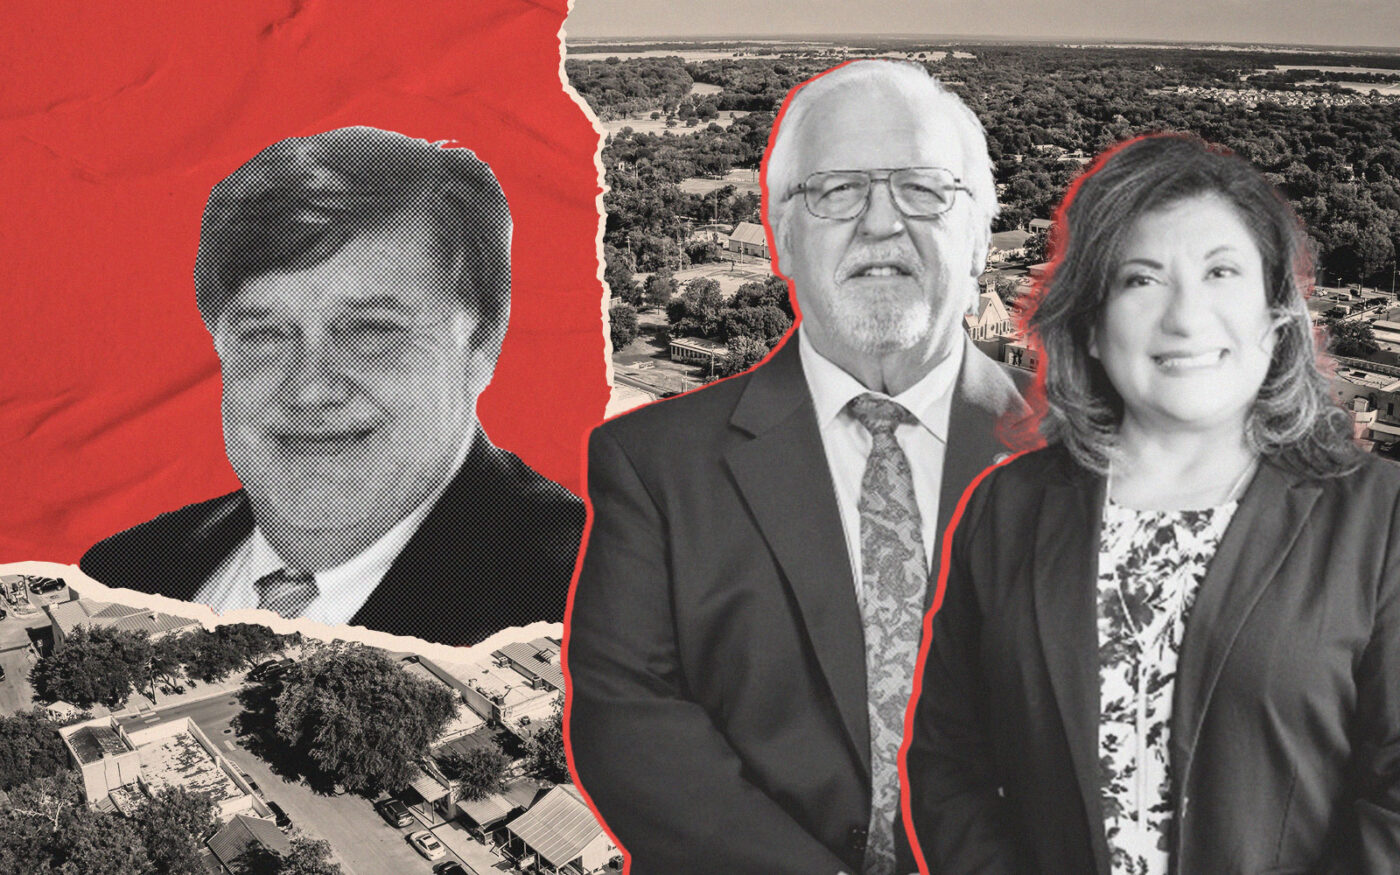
x,y
482,786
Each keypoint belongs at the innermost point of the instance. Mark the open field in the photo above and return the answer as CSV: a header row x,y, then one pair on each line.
x,y
645,125
743,180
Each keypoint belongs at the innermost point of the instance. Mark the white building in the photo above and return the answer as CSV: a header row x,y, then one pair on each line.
x,y
119,767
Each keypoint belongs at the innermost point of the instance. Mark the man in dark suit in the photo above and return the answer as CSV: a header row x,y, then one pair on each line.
x,y
744,629
357,287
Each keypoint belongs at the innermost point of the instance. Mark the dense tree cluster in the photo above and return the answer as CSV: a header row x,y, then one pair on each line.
x,y
1353,339
359,717
481,770
100,665
30,748
749,323
622,325
648,216
755,84
1048,110
544,750
615,90
48,828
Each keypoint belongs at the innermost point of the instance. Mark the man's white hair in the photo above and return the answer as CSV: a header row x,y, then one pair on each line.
x,y
909,79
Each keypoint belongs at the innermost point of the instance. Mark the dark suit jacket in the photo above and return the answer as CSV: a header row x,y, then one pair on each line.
x,y
1285,734
497,550
715,651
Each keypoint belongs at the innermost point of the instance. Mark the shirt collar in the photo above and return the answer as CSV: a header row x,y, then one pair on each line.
x,y
374,561
833,388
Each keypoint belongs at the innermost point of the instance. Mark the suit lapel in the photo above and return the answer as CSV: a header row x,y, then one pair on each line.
x,y
783,476
408,600
227,523
982,394
1268,520
1066,608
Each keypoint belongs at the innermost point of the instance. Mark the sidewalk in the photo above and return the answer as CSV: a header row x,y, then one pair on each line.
x,y
195,691
140,703
477,858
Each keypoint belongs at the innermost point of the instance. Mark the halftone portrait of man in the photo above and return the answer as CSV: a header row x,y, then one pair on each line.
x,y
356,285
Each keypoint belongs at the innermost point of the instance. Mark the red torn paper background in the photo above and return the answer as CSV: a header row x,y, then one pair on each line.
x,y
115,122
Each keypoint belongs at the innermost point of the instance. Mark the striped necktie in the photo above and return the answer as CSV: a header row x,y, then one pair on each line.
x,y
894,576
286,592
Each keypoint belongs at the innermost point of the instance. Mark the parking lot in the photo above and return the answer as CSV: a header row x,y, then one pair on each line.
x,y
364,843
22,614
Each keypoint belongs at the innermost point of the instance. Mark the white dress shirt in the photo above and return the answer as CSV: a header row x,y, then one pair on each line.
x,y
847,443
342,590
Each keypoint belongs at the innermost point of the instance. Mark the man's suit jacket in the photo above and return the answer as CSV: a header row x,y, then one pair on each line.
x,y
718,712
1285,731
497,550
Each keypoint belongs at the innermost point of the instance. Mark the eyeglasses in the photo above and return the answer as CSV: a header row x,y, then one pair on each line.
x,y
357,343
918,192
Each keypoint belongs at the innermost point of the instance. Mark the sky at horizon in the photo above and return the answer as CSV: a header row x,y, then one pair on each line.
x,y
1340,23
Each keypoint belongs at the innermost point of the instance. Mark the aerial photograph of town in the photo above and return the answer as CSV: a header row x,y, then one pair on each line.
x,y
687,261
137,741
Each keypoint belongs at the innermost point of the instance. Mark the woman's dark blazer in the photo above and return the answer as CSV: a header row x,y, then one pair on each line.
x,y
1285,733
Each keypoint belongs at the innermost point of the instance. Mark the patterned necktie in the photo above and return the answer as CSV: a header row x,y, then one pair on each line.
x,y
286,592
894,576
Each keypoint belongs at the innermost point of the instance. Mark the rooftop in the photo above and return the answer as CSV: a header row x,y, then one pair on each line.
x,y
243,832
92,743
86,612
558,827
179,760
502,684
482,737
537,658
748,232
487,811
1368,379
699,343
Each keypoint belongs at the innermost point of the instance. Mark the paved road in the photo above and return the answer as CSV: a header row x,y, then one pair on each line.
x,y
363,842
15,692
214,715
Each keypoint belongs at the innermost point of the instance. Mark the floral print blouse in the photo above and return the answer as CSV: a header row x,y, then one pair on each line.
x,y
1151,564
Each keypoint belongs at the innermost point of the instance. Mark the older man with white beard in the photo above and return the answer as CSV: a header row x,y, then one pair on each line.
x,y
746,622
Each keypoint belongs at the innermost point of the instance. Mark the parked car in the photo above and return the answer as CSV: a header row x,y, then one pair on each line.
x,y
427,844
2,674
395,812
279,815
46,584
3,613
270,670
451,867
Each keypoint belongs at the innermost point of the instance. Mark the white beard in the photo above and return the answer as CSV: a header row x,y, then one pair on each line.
x,y
883,325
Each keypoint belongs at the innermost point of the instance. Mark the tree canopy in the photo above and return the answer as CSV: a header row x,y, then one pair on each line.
x,y
359,717
482,770
96,665
30,747
544,750
622,325
48,828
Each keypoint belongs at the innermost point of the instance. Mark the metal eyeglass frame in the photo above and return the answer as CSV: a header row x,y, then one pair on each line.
x,y
870,179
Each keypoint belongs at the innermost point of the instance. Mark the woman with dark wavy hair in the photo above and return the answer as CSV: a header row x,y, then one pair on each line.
x,y
1170,640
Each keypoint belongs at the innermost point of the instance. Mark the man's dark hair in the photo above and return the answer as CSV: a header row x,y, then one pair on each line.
x,y
300,200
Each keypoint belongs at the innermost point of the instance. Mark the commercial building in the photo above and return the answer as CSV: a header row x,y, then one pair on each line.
x,y
66,617
748,239
120,767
